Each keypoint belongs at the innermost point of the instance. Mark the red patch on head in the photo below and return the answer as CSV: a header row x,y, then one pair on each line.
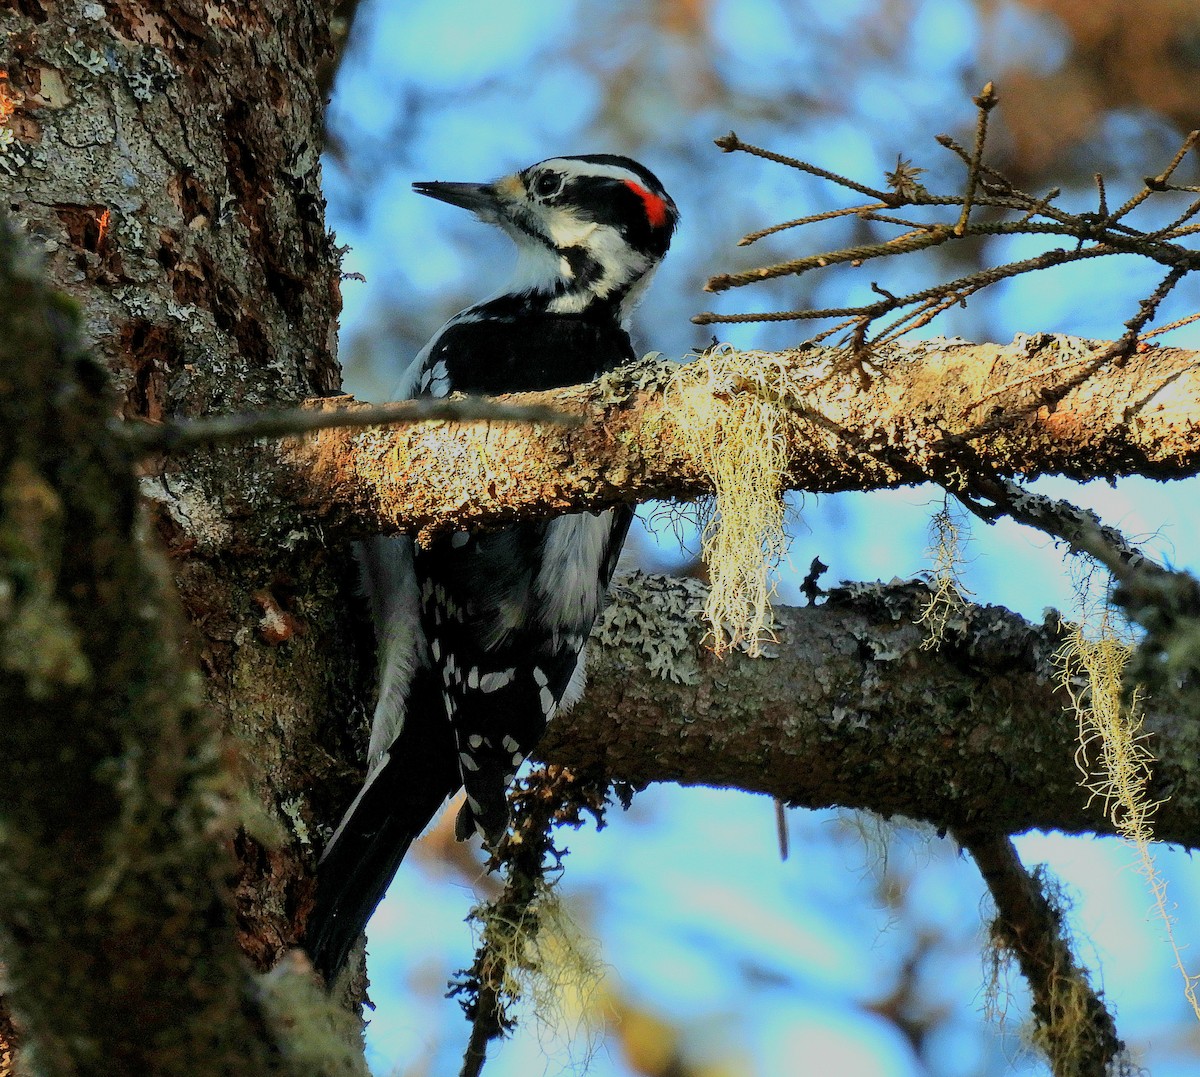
x,y
656,208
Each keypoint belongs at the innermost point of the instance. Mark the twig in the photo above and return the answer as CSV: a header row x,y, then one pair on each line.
x,y
814,218
1098,234
1038,209
1074,1026
975,281
1164,602
1177,324
1174,229
549,797
1157,183
1080,528
901,245
781,829
1002,193
475,1054
985,102
923,315
730,142
1120,348
183,434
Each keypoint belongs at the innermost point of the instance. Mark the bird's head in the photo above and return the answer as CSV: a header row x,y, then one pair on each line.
x,y
589,229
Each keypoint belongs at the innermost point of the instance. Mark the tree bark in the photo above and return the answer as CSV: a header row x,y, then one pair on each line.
x,y
166,161
852,710
115,807
166,165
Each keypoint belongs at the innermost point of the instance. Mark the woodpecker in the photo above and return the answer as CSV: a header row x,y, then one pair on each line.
x,y
481,637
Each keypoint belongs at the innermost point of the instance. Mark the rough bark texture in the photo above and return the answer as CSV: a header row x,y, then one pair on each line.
x,y
166,161
119,949
9,1041
853,711
1008,403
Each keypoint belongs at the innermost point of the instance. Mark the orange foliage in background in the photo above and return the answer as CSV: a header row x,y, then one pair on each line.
x,y
1122,56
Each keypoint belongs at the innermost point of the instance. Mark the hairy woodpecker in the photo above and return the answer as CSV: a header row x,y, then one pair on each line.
x,y
481,636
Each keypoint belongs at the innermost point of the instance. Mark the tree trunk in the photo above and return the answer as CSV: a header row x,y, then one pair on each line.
x,y
166,161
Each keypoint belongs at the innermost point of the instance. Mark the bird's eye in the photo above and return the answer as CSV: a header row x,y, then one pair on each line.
x,y
547,184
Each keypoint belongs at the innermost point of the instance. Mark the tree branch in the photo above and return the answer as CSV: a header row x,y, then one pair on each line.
x,y
974,736
1074,1027
1041,405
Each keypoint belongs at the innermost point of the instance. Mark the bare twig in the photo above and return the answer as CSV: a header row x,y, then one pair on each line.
x,y
183,434
1098,234
1102,208
828,215
1177,324
985,102
1157,183
1175,228
871,311
1121,347
730,142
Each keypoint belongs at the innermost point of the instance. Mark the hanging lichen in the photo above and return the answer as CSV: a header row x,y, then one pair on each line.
x,y
1115,759
949,597
729,408
530,952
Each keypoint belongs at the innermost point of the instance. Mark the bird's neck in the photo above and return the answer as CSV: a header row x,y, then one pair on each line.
x,y
582,280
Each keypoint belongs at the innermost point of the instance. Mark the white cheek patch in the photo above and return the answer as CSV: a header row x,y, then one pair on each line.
x,y
567,230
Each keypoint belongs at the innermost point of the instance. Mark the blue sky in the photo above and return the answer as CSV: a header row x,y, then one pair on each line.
x,y
765,967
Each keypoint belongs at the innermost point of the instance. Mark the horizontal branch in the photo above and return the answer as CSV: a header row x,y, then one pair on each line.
x,y
1041,405
974,736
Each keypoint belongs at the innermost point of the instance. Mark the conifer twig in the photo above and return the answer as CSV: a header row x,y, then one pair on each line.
x,y
1099,233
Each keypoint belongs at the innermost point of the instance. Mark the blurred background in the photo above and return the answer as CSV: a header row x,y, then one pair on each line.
x,y
859,955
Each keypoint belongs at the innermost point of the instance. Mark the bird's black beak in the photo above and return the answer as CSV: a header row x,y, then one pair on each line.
x,y
477,197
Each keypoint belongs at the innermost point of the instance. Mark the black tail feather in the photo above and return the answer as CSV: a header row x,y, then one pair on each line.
x,y
395,805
